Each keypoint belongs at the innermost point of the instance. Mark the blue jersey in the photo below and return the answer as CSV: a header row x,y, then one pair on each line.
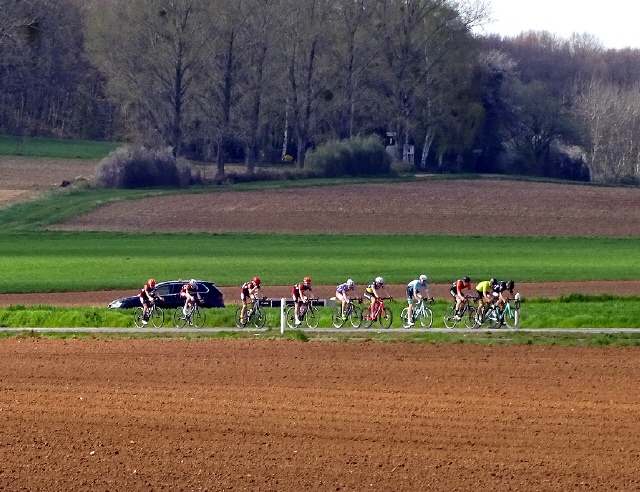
x,y
342,288
415,285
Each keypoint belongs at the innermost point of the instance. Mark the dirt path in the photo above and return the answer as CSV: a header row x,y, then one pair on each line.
x,y
286,416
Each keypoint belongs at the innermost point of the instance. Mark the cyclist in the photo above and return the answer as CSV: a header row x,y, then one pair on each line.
x,y
189,292
456,292
148,297
342,294
485,293
413,291
299,296
373,292
499,290
248,291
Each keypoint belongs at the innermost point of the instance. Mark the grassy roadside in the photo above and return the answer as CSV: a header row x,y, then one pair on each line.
x,y
54,148
575,311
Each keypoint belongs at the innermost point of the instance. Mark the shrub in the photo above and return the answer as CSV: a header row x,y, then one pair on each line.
x,y
140,167
359,156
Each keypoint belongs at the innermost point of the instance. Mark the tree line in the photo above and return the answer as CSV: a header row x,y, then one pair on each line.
x,y
267,80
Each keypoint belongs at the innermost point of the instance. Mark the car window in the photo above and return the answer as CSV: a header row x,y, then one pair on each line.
x,y
163,290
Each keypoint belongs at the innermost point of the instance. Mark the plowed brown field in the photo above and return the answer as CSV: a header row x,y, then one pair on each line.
x,y
129,415
318,416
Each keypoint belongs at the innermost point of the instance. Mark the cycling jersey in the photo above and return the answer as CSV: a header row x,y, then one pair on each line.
x,y
502,286
187,289
343,288
484,287
248,286
414,287
299,289
459,285
147,292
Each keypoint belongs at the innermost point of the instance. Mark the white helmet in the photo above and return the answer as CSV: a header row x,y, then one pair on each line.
x,y
423,279
192,282
350,283
379,280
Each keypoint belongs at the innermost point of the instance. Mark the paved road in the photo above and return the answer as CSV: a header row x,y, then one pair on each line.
x,y
319,330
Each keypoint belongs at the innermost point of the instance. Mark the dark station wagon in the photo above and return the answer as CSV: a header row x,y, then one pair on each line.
x,y
170,291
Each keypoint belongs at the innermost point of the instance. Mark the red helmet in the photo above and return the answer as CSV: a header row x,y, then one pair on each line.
x,y
152,282
256,280
307,280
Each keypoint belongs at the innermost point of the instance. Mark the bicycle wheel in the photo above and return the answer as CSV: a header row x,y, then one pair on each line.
x,y
510,318
198,317
179,319
258,317
137,317
290,315
450,317
491,318
238,318
386,317
367,319
157,317
355,316
336,317
404,318
471,317
312,317
426,318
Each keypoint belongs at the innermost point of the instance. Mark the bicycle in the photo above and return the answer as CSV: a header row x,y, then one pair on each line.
x,y
352,313
468,315
155,314
194,316
420,312
377,312
254,315
308,314
497,317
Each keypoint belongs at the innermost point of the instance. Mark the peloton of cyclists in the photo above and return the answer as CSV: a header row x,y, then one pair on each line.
x,y
299,296
413,292
342,294
248,293
148,297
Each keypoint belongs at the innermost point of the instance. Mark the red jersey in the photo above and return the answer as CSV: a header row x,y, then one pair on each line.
x,y
459,285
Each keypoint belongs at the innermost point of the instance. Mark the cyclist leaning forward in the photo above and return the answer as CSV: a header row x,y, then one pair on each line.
x,y
342,293
148,297
373,292
413,291
500,288
248,293
299,296
456,292
485,294
189,292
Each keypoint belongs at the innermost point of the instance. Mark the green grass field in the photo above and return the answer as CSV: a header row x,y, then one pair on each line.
x,y
54,148
63,261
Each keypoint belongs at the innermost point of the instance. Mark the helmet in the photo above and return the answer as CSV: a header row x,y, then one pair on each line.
x,y
467,279
192,282
256,280
152,282
510,285
379,280
307,280
493,281
350,283
423,279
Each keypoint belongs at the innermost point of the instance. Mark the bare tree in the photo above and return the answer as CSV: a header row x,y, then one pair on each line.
x,y
154,56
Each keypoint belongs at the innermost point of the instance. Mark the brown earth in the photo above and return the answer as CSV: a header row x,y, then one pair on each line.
x,y
129,415
107,415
